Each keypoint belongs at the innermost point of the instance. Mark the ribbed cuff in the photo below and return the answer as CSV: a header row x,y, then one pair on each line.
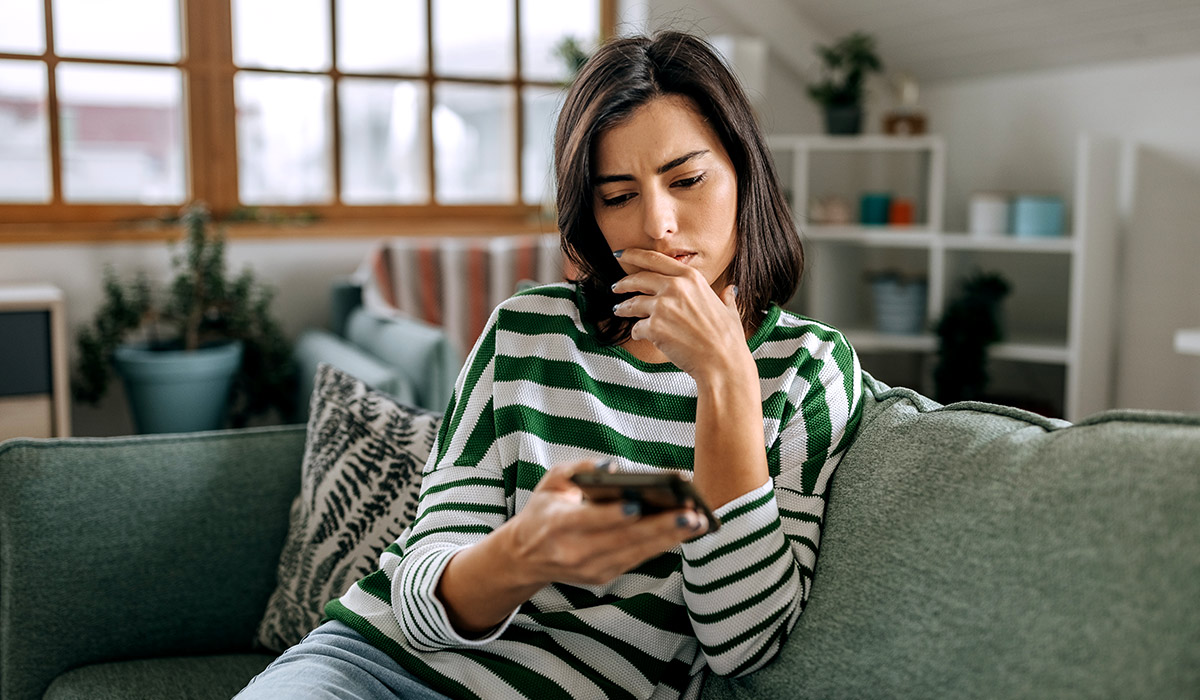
x,y
423,617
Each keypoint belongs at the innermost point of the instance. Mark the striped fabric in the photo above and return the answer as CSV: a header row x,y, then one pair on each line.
x,y
455,282
538,390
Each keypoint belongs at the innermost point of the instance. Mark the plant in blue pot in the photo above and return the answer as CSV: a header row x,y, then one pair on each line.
x,y
203,354
842,87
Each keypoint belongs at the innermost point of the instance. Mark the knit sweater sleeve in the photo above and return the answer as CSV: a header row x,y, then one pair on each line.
x,y
746,584
462,501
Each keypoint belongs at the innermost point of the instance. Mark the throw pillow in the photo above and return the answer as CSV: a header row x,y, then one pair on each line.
x,y
360,478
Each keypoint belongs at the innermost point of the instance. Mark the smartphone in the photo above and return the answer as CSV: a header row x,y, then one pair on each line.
x,y
654,492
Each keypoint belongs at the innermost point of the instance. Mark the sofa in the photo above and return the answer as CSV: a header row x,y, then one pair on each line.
x,y
969,550
411,360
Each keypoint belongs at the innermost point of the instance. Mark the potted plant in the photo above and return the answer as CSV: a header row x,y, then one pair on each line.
x,y
970,323
846,65
204,353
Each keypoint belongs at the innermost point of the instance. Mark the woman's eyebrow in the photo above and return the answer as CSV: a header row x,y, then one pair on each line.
x,y
665,167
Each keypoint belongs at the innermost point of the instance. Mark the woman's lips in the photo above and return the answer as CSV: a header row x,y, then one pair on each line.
x,y
684,258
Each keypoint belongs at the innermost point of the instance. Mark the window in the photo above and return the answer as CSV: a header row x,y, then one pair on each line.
x,y
338,108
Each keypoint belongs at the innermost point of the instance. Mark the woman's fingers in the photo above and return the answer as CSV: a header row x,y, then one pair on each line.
x,y
613,551
634,260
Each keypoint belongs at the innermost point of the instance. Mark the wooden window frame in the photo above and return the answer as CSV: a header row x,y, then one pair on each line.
x,y
208,72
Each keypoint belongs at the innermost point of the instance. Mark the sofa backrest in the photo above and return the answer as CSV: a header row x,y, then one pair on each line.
x,y
136,547
980,551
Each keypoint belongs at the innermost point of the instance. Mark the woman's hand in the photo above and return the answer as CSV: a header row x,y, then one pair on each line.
x,y
560,537
557,537
702,334
698,331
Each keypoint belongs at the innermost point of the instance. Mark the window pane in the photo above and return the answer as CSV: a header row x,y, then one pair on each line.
x,y
288,34
384,141
541,112
23,29
544,25
381,36
24,133
473,134
122,134
474,38
283,139
136,29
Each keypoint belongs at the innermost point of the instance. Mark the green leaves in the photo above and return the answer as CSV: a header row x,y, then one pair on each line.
x,y
846,66
202,304
970,323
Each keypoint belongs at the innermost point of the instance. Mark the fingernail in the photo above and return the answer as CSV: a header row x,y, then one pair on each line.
x,y
618,253
604,465
682,521
735,291
613,287
631,508
615,307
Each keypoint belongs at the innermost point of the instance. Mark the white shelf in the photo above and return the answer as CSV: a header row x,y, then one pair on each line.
x,y
923,237
1020,349
963,241
1047,352
882,236
868,142
871,340
1060,285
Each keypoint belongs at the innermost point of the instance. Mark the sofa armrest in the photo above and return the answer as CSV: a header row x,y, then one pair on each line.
x,y
134,547
345,295
316,346
421,353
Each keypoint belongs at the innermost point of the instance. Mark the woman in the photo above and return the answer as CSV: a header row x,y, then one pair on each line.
x,y
670,353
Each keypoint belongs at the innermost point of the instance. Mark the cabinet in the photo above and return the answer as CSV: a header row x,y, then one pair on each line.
x,y
34,391
1058,316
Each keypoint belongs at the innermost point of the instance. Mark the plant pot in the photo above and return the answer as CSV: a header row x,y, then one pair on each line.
x,y
178,391
899,305
843,120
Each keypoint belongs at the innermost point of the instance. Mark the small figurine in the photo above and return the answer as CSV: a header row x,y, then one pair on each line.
x,y
906,119
830,210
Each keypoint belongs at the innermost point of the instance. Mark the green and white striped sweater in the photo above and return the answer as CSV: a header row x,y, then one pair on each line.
x,y
538,390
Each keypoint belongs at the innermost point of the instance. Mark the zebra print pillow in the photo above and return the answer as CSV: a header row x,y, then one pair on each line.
x,y
359,484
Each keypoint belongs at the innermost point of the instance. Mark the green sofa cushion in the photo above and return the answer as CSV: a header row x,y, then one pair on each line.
x,y
217,677
978,551
138,547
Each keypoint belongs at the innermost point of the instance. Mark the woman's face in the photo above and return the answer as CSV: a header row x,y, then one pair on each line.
x,y
664,182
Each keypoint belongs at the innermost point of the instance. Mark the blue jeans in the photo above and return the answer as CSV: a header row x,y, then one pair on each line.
x,y
335,663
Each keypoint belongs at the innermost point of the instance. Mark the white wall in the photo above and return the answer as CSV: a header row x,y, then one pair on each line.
x,y
1018,133
785,107
300,271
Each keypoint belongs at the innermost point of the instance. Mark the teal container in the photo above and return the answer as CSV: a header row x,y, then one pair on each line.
x,y
899,305
1038,217
873,208
178,391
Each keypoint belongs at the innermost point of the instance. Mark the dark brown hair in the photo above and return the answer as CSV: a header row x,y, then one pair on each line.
x,y
620,77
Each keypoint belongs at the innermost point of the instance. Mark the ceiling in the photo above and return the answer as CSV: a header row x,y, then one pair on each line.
x,y
949,39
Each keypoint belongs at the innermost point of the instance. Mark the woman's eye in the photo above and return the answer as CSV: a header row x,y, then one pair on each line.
x,y
689,181
616,201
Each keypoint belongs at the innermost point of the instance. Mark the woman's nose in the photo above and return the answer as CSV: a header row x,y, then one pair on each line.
x,y
658,215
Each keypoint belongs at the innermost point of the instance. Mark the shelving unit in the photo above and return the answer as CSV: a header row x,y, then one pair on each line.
x,y
1058,323
34,391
